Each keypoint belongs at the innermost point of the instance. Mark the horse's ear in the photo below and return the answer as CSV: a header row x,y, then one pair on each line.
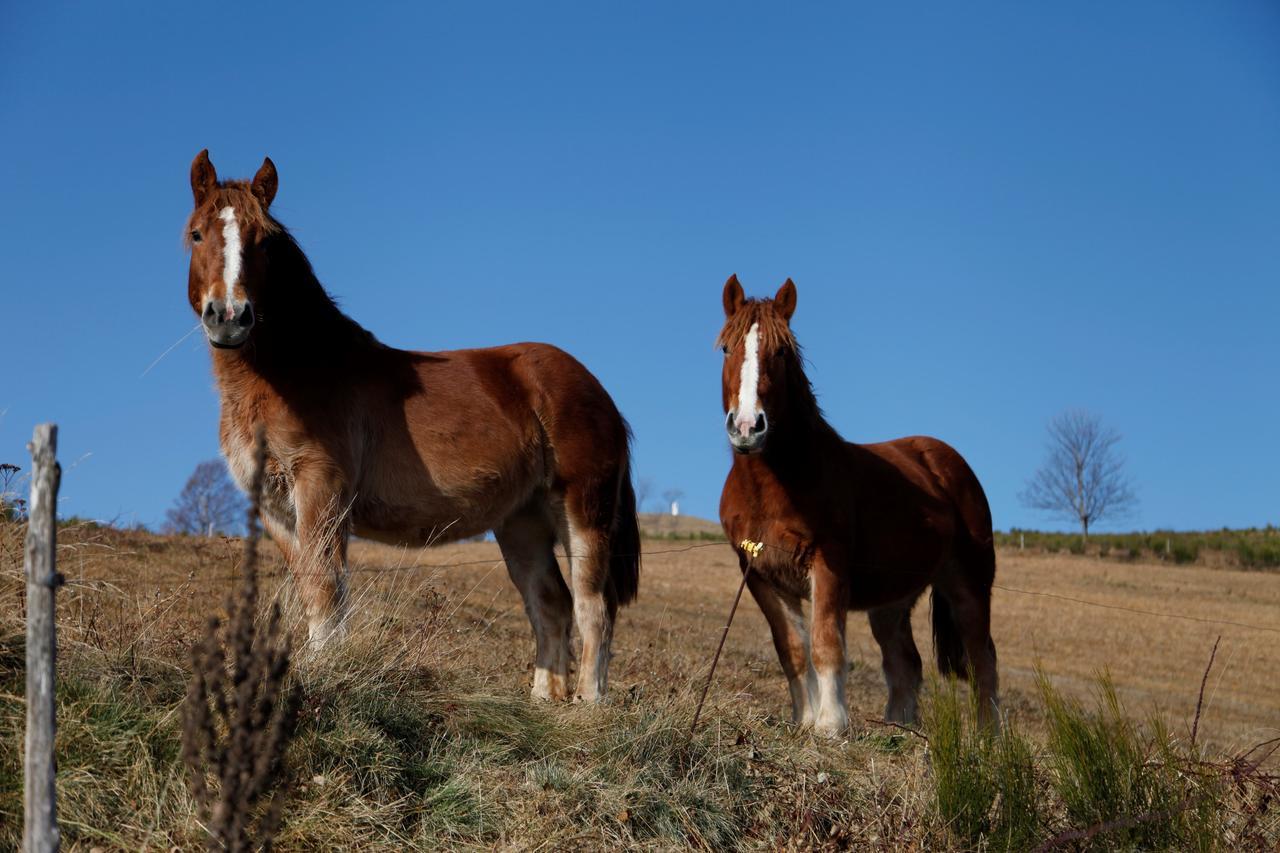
x,y
265,182
204,179
785,301
733,296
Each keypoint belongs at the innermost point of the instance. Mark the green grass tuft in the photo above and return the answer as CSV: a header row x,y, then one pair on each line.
x,y
1110,772
984,782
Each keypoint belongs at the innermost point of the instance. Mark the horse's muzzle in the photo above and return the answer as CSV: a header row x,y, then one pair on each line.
x,y
750,441
227,328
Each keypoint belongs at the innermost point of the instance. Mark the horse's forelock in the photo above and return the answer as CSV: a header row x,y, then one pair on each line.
x,y
236,195
775,333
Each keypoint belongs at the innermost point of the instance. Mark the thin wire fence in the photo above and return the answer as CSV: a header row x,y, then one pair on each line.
x,y
493,561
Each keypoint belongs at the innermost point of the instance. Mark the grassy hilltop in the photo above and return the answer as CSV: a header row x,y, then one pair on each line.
x,y
419,732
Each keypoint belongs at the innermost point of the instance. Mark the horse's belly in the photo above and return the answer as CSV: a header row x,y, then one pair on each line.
x,y
433,495
790,577
867,592
419,523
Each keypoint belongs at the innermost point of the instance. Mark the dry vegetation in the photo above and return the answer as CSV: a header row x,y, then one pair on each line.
x,y
419,733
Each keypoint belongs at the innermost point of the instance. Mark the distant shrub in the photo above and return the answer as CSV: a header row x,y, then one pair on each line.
x,y
1251,548
688,536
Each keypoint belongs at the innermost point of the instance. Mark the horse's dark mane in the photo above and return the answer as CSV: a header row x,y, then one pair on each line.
x,y
295,297
803,399
295,313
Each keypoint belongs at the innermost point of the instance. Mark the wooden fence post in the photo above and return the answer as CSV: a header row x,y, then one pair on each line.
x,y
40,830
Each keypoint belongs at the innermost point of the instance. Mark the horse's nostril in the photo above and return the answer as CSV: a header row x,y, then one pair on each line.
x,y
246,316
212,311
760,423
729,419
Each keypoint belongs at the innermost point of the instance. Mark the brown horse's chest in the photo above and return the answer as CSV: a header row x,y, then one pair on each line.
x,y
854,539
786,549
277,486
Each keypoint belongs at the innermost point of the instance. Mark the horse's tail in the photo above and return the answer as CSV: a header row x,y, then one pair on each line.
x,y
946,638
624,540
977,571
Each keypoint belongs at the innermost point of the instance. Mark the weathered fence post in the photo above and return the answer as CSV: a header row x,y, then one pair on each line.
x,y
40,832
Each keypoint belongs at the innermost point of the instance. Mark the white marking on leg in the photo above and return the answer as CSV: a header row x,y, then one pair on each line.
x,y
833,714
749,383
804,687
541,683
591,615
232,253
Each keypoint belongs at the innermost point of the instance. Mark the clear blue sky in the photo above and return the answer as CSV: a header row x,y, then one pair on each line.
x,y
993,211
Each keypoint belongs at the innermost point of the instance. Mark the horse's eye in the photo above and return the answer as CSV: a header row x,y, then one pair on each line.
x,y
195,236
725,349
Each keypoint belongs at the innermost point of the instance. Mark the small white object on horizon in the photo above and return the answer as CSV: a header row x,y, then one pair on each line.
x,y
675,508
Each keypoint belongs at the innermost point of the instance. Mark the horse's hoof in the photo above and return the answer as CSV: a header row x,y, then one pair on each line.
x,y
831,727
549,687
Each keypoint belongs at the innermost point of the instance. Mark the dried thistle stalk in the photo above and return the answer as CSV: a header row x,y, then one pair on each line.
x,y
239,712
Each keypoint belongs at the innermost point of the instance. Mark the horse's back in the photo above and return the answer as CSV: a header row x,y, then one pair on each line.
x,y
521,391
476,434
938,468
584,427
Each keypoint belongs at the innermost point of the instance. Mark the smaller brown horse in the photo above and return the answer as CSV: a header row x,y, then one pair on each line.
x,y
410,447
848,526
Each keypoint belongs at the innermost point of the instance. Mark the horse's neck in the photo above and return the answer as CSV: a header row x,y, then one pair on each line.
x,y
302,342
797,450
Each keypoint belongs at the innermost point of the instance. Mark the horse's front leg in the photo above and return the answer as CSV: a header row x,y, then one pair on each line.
x,y
828,652
319,566
791,641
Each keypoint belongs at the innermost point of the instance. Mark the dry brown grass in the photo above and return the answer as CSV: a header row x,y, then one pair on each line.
x,y
668,636
419,733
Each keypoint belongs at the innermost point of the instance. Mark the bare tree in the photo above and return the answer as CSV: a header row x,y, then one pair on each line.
x,y
644,488
12,505
1082,478
210,503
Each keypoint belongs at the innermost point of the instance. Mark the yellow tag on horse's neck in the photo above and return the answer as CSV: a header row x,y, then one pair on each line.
x,y
752,548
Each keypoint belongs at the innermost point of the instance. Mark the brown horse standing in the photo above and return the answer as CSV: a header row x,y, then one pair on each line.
x,y
848,526
410,447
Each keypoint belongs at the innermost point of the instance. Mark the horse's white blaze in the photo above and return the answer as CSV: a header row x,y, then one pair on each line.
x,y
232,252
749,383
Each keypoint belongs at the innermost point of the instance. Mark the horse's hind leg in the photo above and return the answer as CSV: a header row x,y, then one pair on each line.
x,y
891,626
526,540
594,604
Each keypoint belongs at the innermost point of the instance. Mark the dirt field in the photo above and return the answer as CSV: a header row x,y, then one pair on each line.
x,y
666,639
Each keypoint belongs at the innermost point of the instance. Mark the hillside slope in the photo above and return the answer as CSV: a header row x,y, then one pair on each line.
x,y
419,733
